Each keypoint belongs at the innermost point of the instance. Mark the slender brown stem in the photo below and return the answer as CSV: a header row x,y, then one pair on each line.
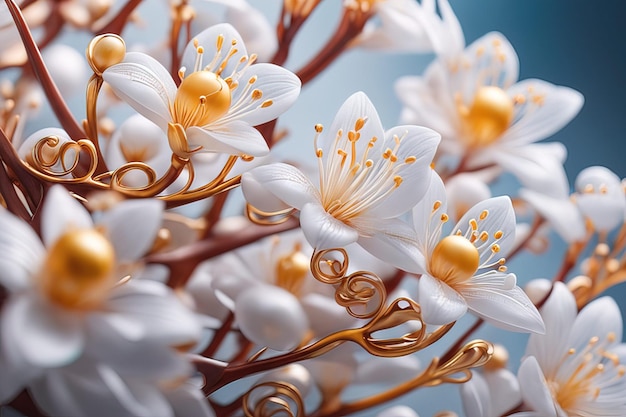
x,y
117,23
182,262
58,105
461,340
219,336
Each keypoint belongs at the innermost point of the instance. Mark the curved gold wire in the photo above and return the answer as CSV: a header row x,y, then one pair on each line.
x,y
362,294
273,398
49,151
330,265
266,218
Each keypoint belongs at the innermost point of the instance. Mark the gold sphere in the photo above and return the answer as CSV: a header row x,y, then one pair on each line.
x,y
77,271
454,260
202,98
489,115
105,51
291,271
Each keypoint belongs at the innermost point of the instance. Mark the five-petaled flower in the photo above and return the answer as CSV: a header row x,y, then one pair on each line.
x,y
217,103
466,269
576,368
368,178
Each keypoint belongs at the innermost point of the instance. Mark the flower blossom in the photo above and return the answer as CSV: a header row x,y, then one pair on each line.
x,y
408,26
485,115
576,368
70,311
466,269
368,178
217,103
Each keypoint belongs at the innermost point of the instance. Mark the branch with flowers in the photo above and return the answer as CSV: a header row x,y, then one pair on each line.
x,y
161,257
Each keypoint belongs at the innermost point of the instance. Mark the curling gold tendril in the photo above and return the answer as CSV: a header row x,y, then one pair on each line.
x,y
329,266
362,294
273,398
49,151
266,218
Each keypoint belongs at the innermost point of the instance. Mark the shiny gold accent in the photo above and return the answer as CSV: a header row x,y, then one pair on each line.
x,y
104,51
488,117
273,398
499,358
291,270
202,98
77,270
265,218
49,151
454,260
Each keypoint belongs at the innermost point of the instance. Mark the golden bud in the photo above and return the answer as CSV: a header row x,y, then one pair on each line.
x,y
105,51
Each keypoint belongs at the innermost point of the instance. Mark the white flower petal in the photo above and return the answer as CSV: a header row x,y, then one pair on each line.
x,y
235,138
498,55
271,316
325,315
279,88
357,106
558,106
426,221
62,212
559,313
41,334
189,401
255,29
131,227
285,182
600,318
392,241
440,303
398,411
505,390
506,308
154,306
416,142
562,214
476,397
21,252
535,390
322,230
143,83
500,218
207,39
380,370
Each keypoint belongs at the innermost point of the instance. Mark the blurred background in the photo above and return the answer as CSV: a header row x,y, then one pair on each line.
x,y
575,43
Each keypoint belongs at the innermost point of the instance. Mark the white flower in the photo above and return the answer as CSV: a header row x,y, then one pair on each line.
x,y
410,26
574,369
465,270
485,116
492,391
552,201
217,103
368,178
600,197
270,288
66,300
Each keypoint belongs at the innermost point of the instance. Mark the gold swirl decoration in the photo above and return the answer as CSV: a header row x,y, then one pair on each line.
x,y
273,398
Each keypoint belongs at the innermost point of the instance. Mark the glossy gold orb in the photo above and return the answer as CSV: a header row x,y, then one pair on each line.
x,y
454,260
489,116
104,51
291,270
202,98
77,272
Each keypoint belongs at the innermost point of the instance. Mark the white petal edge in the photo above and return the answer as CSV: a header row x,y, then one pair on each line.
x,y
440,303
61,213
322,230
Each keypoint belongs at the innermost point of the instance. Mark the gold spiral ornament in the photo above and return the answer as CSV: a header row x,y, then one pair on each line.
x,y
50,151
270,398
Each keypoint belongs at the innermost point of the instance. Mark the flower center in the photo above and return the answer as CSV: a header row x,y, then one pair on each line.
x,y
350,181
588,372
202,98
291,269
454,260
488,117
77,271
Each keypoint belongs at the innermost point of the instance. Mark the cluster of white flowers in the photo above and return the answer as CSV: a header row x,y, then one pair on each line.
x,y
128,289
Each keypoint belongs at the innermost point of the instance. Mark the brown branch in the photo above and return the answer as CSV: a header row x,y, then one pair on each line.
x,y
117,23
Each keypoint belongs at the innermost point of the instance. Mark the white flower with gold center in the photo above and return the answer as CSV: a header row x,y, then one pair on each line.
x,y
484,114
221,96
466,269
368,178
576,368
68,297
